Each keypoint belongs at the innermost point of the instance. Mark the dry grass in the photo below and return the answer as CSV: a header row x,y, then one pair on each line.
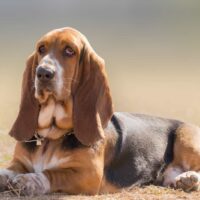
x,y
146,193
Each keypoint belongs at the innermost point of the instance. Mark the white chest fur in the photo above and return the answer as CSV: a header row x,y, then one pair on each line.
x,y
40,164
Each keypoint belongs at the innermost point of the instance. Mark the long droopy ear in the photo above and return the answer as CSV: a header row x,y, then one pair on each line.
x,y
92,100
26,123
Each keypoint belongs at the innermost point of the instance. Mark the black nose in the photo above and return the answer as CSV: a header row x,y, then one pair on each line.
x,y
44,74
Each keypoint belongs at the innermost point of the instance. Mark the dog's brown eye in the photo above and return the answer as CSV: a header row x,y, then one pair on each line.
x,y
41,49
69,52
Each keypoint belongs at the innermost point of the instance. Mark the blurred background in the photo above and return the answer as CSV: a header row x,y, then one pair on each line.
x,y
151,49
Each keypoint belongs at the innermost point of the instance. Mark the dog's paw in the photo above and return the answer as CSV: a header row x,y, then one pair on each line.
x,y
188,181
31,184
5,174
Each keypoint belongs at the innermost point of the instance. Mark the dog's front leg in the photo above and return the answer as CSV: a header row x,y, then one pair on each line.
x,y
31,184
5,175
58,180
75,181
16,167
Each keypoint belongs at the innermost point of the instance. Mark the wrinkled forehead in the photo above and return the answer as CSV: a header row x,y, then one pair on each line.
x,y
63,37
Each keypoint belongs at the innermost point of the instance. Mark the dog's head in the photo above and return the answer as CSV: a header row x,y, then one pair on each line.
x,y
64,66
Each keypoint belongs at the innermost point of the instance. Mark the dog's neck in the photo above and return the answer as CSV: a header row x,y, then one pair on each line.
x,y
55,118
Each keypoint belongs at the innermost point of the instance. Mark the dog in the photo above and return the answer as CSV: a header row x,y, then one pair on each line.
x,y
70,140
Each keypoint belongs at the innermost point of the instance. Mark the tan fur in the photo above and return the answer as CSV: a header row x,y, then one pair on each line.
x,y
74,172
187,148
186,155
58,112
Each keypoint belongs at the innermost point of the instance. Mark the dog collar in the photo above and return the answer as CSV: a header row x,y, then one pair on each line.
x,y
39,139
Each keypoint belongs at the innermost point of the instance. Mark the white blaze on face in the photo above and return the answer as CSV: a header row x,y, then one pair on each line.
x,y
49,62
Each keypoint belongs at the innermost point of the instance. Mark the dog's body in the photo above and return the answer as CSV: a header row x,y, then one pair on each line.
x,y
83,147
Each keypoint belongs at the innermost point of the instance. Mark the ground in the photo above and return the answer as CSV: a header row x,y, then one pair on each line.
x,y
146,193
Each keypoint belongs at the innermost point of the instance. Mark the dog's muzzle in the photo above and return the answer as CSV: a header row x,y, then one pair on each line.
x,y
45,74
45,80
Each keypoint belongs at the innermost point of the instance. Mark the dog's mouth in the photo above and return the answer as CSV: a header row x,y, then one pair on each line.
x,y
44,91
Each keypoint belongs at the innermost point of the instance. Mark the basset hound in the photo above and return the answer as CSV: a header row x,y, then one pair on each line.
x,y
70,140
